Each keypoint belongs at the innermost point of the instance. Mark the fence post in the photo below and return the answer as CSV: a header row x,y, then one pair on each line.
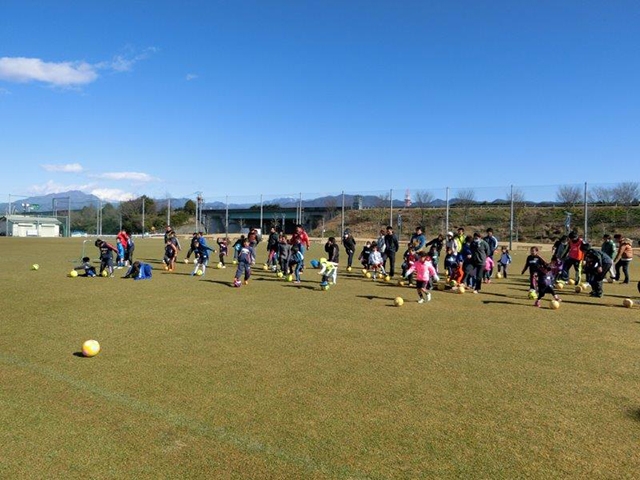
x,y
586,214
511,222
226,217
342,226
261,212
447,209
391,207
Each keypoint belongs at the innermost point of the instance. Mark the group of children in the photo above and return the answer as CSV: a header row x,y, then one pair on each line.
x,y
463,265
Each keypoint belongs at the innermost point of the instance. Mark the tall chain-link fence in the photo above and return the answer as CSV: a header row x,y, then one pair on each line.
x,y
530,214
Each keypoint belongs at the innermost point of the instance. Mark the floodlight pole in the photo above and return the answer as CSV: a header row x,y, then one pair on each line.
x,y
511,222
447,210
342,226
226,216
261,212
586,214
391,207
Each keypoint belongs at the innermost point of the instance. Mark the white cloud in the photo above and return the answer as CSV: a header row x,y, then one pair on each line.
x,y
23,70
191,76
53,187
131,176
65,74
112,194
124,63
66,168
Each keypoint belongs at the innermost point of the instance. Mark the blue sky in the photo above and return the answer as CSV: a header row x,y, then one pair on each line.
x,y
257,97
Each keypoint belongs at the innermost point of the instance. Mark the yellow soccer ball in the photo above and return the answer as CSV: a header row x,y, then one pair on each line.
x,y
555,304
499,275
559,285
571,281
532,295
265,267
90,348
104,273
461,289
368,274
199,273
627,302
441,286
579,289
348,269
290,278
73,274
186,260
387,278
398,301
280,274
401,283
35,266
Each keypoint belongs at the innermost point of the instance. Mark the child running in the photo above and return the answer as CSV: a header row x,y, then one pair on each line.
x,y
328,270
202,257
246,258
424,273
295,262
170,255
505,261
376,262
545,278
223,250
533,263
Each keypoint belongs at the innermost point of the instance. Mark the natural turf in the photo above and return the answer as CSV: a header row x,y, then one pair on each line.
x,y
197,379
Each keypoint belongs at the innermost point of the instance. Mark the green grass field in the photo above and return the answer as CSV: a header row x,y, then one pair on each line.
x,y
197,379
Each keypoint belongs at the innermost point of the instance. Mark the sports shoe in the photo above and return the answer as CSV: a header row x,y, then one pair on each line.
x,y
476,292
421,300
236,283
428,296
537,303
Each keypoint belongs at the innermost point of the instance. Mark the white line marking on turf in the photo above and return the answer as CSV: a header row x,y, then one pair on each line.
x,y
178,420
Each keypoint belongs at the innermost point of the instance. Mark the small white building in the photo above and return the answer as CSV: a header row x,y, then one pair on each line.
x,y
28,226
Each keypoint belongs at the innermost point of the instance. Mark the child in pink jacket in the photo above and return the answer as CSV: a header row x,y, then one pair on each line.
x,y
488,269
424,271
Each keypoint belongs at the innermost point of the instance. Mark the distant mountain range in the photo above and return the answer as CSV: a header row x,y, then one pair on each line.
x,y
78,200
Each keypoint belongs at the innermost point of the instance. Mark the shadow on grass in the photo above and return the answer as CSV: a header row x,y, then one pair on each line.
x,y
220,282
300,287
634,414
79,354
501,302
375,297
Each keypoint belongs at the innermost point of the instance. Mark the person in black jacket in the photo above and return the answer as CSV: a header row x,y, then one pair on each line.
x,y
272,248
332,249
349,244
533,263
437,243
391,242
596,265
479,252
